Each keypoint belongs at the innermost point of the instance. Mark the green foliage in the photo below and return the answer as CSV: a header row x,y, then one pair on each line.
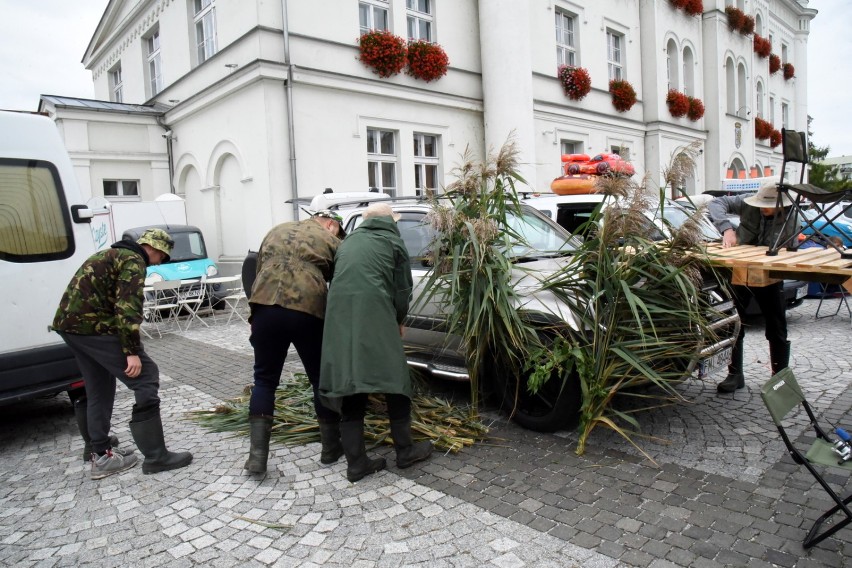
x,y
471,276
822,175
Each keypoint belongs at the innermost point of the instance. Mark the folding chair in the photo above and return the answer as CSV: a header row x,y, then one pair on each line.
x,y
191,298
165,301
795,149
781,394
234,295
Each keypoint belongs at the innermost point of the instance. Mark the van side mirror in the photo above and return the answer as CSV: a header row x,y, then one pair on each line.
x,y
81,214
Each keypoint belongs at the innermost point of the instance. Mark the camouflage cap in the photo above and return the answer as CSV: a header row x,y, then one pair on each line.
x,y
329,214
159,240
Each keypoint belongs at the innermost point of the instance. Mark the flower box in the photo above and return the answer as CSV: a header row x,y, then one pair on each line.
x,y
384,52
762,46
696,109
739,21
576,82
774,64
677,102
426,61
762,129
775,138
789,71
623,95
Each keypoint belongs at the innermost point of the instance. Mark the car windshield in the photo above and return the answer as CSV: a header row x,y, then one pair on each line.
x,y
188,246
542,238
676,215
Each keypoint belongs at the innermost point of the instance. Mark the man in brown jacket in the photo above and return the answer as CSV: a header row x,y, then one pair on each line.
x,y
287,303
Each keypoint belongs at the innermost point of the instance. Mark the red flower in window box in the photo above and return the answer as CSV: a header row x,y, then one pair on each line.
x,y
426,61
694,7
696,109
677,102
789,71
383,51
576,82
762,129
774,64
762,46
735,18
680,3
747,27
623,95
775,138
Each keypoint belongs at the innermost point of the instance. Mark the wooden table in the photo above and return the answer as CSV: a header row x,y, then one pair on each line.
x,y
751,266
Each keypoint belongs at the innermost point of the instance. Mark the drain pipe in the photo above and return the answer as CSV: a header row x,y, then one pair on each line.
x,y
291,130
169,136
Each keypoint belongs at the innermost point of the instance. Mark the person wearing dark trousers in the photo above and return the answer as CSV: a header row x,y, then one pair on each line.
x,y
287,304
362,351
761,223
99,317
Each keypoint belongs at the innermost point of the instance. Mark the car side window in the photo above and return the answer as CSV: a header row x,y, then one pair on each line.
x,y
415,231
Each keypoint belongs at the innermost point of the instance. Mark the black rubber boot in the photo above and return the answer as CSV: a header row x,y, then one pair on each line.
x,y
735,379
408,452
332,449
147,430
260,429
352,440
779,355
81,414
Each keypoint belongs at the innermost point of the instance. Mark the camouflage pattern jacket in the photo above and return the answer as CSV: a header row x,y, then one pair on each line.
x,y
105,296
294,262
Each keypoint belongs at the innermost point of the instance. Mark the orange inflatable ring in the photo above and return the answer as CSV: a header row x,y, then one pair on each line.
x,y
573,184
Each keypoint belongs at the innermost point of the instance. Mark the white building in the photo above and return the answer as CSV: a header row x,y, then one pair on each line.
x,y
241,105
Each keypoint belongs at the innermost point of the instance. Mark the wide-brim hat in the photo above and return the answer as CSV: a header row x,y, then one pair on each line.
x,y
158,239
329,214
767,197
381,210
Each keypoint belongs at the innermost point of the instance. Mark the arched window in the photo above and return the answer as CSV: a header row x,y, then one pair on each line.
x,y
737,169
731,86
742,91
759,99
672,65
758,24
688,72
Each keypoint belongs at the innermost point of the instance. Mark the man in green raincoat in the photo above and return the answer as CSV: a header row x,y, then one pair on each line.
x,y
362,350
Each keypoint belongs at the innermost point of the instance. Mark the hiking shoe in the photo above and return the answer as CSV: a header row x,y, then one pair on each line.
x,y
111,462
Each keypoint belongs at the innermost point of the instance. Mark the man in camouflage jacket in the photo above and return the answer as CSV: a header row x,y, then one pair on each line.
x,y
287,304
99,317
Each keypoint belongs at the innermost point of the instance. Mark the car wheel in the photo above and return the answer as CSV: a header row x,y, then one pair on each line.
x,y
602,168
555,406
573,169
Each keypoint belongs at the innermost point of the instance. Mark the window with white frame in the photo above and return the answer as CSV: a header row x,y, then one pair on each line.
x,y
772,111
382,160
155,68
116,84
614,55
785,115
419,18
783,53
566,53
570,147
622,151
759,97
205,29
121,188
372,15
426,162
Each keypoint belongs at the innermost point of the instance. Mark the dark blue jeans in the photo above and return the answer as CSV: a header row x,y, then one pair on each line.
x,y
772,305
273,330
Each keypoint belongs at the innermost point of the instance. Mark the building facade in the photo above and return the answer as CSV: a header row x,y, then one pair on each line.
x,y
240,106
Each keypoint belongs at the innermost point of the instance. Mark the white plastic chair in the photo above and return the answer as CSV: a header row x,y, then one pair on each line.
x,y
191,298
165,302
234,296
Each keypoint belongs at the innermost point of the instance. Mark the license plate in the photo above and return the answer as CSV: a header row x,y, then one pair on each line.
x,y
711,364
193,293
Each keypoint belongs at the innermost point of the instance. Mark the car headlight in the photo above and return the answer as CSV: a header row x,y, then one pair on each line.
x,y
155,277
212,270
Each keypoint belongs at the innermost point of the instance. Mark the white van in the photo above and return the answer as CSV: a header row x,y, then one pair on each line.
x,y
44,238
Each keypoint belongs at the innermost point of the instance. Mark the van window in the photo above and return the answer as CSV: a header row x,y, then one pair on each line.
x,y
34,221
188,246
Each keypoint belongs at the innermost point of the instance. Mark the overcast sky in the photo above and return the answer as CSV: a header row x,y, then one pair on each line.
x,y
43,41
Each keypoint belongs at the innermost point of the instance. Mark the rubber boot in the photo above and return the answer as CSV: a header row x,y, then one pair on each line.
x,y
147,430
332,449
81,414
735,379
408,452
352,440
779,355
260,429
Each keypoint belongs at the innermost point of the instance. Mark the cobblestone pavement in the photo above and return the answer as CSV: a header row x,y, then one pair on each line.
x,y
722,493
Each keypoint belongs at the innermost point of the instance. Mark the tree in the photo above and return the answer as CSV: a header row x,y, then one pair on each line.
x,y
822,175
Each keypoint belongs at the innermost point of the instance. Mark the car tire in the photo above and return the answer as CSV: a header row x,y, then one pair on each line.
x,y
555,406
602,168
573,169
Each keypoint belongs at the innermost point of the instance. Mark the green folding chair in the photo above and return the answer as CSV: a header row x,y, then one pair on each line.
x,y
782,394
